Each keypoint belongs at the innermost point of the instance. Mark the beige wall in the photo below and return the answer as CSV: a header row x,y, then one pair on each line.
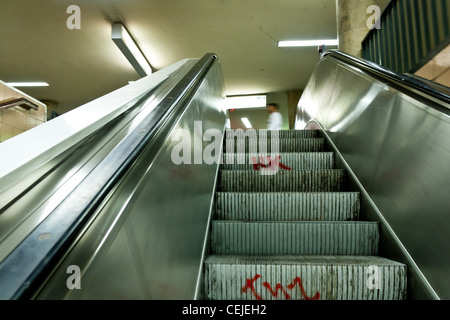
x,y
16,120
438,68
258,117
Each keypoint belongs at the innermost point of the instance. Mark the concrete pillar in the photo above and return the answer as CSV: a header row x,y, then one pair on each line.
x,y
352,20
293,99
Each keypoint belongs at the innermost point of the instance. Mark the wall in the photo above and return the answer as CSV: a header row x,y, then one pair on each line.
x,y
16,120
438,68
258,117
293,98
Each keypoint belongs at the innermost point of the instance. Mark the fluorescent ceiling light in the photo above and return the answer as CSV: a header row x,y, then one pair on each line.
x,y
246,102
27,84
246,123
308,43
126,44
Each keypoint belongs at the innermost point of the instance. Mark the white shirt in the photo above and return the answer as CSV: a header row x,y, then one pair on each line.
x,y
275,121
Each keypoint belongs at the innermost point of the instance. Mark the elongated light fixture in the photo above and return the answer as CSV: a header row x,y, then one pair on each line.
x,y
246,102
27,84
129,48
246,122
308,43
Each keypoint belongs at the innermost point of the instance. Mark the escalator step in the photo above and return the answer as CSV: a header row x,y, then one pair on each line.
x,y
282,145
325,206
231,277
282,181
281,134
295,161
294,238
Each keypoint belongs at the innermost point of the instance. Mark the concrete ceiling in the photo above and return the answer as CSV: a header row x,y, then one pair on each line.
x,y
82,65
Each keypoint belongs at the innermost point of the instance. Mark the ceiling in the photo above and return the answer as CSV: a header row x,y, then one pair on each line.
x,y
82,65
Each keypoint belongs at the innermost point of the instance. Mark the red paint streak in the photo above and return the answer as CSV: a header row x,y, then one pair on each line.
x,y
272,165
278,288
249,284
256,165
300,284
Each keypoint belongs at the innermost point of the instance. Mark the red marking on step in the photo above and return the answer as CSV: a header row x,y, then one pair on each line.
x,y
278,288
249,284
272,163
300,284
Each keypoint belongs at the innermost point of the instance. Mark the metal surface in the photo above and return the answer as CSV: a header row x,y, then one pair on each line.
x,y
147,239
253,206
277,237
35,253
283,145
302,278
409,83
396,144
24,153
267,244
292,160
283,181
30,200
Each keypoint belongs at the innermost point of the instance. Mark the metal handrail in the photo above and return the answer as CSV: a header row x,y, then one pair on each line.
x,y
22,102
53,235
403,80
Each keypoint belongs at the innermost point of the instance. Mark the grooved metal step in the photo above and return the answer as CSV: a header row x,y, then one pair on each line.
x,y
282,134
269,145
295,161
281,181
340,206
294,238
286,228
230,277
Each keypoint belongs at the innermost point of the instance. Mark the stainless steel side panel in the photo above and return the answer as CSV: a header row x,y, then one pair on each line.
x,y
149,238
398,148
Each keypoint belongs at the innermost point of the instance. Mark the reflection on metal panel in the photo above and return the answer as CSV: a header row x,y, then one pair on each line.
x,y
147,241
37,215
398,148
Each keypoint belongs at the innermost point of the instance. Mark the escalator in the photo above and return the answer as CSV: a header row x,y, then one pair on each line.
x,y
292,232
107,201
125,204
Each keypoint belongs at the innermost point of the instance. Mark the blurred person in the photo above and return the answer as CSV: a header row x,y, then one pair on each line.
x,y
275,121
